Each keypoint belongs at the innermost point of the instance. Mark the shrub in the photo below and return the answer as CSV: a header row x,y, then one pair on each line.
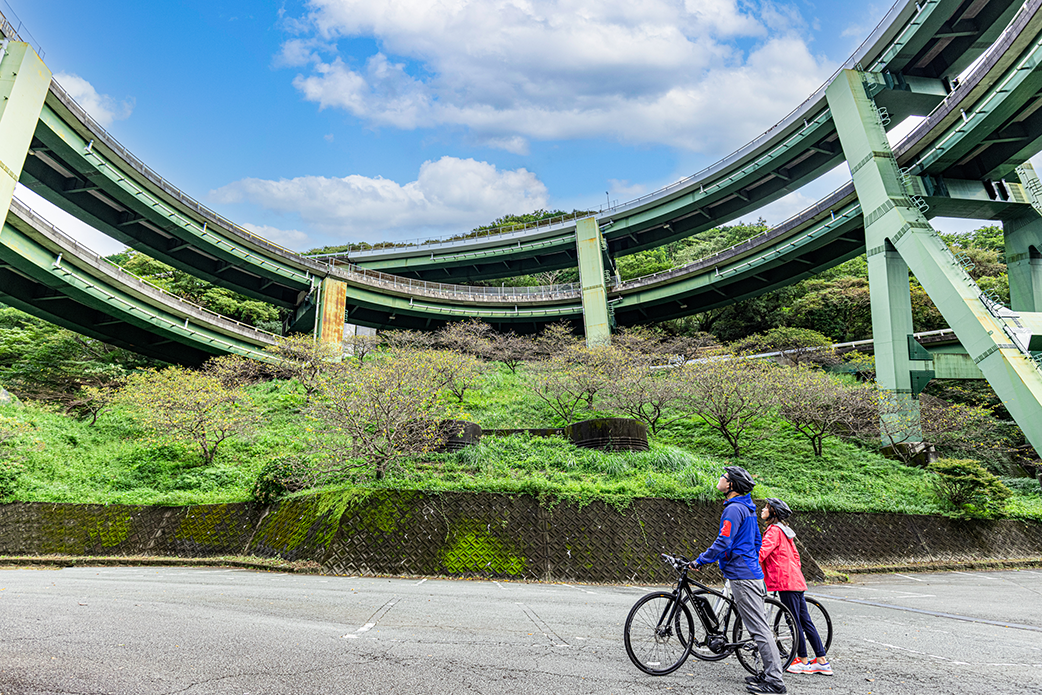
x,y
1023,486
968,489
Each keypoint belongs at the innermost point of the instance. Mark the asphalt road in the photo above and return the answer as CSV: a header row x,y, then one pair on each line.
x,y
191,630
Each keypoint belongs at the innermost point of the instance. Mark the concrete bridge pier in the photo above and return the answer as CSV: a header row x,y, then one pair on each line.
x,y
329,315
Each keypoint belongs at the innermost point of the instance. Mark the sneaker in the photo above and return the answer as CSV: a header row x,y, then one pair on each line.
x,y
798,665
758,678
820,665
765,687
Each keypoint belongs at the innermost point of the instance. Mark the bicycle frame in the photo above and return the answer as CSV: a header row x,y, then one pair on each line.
x,y
682,592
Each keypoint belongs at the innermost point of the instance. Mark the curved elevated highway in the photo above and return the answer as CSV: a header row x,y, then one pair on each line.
x,y
965,159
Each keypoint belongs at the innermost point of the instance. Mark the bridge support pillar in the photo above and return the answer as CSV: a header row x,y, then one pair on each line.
x,y
1023,236
590,246
24,81
894,220
329,316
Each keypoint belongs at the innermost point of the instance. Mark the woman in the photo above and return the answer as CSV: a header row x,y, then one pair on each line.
x,y
782,573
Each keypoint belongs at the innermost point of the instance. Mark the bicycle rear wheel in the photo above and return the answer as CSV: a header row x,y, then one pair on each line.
x,y
821,619
658,633
783,629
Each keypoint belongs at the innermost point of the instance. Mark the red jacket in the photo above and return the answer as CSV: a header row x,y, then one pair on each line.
x,y
781,561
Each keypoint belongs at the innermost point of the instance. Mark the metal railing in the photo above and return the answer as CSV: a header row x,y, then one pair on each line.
x,y
477,293
15,29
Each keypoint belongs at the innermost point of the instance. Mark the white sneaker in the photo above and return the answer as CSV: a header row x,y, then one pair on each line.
x,y
798,665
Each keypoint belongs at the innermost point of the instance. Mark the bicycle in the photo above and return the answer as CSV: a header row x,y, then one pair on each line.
x,y
660,631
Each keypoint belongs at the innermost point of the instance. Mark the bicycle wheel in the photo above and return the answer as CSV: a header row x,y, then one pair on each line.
x,y
700,648
656,644
783,629
821,619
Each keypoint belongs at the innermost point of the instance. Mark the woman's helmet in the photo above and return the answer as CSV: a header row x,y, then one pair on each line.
x,y
741,481
778,508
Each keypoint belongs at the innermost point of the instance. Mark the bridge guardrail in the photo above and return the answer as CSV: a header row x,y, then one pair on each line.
x,y
504,294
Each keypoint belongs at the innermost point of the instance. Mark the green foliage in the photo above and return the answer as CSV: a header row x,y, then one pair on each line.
x,y
44,362
967,489
207,295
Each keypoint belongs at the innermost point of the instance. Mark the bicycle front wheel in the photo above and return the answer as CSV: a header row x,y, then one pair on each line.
x,y
658,633
783,630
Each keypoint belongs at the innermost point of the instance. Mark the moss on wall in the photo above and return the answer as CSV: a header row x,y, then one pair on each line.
x,y
474,548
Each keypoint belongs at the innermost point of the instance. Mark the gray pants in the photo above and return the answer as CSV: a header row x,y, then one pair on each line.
x,y
749,595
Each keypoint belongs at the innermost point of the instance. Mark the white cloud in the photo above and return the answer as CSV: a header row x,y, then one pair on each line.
x,y
288,238
449,193
703,75
625,189
103,108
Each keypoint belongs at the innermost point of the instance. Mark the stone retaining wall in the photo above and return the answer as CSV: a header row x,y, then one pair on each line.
x,y
491,535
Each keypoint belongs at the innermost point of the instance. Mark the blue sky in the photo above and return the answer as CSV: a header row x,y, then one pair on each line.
x,y
327,121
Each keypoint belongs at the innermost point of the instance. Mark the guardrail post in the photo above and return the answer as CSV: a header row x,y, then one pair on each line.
x,y
24,80
1023,237
331,313
588,241
897,233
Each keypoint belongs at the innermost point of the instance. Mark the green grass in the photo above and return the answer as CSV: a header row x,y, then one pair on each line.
x,y
64,460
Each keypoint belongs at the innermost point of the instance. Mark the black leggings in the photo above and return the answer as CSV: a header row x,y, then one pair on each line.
x,y
797,605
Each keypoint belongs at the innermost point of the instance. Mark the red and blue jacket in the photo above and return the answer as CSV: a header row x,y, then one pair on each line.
x,y
737,547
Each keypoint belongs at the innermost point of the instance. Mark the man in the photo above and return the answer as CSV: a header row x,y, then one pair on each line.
x,y
737,550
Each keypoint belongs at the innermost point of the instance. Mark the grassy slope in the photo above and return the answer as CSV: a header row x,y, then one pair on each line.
x,y
113,462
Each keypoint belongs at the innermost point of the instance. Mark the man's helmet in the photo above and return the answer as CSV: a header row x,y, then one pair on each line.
x,y
778,508
741,481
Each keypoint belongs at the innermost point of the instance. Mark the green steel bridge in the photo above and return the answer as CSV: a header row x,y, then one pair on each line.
x,y
971,68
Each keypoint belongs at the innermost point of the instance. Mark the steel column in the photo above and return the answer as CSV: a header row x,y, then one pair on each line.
x,y
590,246
1023,236
892,217
24,81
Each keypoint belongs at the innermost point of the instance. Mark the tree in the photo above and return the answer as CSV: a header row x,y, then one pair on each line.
x,y
572,378
360,345
303,358
798,345
817,405
645,393
511,350
473,337
386,409
43,362
555,338
188,406
404,339
730,394
458,371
